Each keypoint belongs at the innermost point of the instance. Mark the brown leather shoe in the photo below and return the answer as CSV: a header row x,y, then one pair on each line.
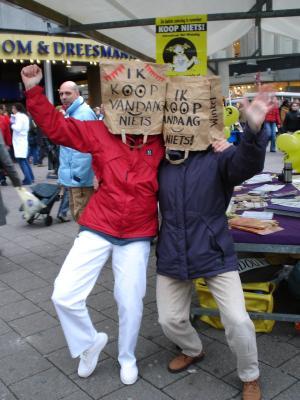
x,y
182,362
251,390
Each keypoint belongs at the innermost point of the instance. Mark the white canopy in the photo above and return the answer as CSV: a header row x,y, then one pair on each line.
x,y
142,38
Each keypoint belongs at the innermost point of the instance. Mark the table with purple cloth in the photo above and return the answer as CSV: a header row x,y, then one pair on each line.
x,y
286,241
284,244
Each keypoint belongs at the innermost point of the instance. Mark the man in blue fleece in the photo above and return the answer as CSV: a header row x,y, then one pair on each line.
x,y
75,171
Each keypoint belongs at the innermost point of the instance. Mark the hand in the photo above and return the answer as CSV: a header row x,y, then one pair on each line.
x,y
31,76
256,111
220,145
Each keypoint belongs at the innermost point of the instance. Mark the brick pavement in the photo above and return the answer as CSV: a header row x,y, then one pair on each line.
x,y
34,360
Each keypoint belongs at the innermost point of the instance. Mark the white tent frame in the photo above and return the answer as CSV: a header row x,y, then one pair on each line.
x,y
278,16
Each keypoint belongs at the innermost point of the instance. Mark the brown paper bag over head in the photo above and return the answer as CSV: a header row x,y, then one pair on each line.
x,y
193,113
133,94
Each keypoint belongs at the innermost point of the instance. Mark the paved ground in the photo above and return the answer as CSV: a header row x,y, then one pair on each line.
x,y
35,363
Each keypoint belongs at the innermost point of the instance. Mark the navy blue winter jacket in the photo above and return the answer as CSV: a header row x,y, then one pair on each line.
x,y
194,240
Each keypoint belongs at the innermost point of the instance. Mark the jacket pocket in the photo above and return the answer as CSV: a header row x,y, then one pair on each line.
x,y
201,241
221,234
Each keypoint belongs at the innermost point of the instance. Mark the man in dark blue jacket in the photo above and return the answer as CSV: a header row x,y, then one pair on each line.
x,y
194,242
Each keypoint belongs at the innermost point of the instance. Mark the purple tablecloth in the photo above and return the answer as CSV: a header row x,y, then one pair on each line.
x,y
290,234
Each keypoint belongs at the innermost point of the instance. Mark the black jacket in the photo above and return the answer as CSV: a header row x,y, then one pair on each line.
x,y
194,239
291,122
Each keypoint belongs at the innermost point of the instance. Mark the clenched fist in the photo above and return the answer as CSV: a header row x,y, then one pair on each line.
x,y
31,76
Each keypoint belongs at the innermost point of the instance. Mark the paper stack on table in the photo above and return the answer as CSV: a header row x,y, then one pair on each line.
x,y
289,207
295,202
261,215
261,178
254,225
266,188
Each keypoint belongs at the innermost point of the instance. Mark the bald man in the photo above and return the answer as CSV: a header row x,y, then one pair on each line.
x,y
75,171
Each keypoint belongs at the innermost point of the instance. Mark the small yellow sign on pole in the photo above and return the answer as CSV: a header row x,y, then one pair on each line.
x,y
181,42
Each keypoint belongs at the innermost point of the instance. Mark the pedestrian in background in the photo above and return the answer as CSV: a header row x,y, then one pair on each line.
x,y
33,152
7,164
75,168
6,133
99,111
291,122
283,110
20,128
272,124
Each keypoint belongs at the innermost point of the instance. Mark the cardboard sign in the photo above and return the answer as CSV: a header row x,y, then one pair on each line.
x,y
193,112
133,94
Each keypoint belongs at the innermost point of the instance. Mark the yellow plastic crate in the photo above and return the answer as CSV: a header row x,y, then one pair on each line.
x,y
258,298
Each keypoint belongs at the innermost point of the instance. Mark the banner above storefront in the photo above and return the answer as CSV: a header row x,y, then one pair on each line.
x,y
55,48
181,42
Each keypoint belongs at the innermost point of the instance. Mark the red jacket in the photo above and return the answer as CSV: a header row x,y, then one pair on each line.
x,y
125,205
5,129
273,116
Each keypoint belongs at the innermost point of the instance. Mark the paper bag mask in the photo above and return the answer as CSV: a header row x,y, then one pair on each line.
x,y
133,94
193,113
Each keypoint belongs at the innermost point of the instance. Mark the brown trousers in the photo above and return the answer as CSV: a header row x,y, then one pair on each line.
x,y
78,199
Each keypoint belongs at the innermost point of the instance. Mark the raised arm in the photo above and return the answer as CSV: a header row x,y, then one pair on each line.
x,y
31,76
255,112
70,132
247,159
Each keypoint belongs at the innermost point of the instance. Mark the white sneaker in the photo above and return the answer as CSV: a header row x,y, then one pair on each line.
x,y
128,375
89,358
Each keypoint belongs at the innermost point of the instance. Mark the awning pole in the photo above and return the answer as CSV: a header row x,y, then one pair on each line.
x,y
48,81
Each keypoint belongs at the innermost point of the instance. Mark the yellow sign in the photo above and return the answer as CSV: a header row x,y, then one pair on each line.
x,y
181,43
59,48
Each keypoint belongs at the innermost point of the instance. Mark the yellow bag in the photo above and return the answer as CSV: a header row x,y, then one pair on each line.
x,y
258,298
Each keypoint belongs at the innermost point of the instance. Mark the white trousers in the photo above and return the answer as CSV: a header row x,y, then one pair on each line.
x,y
77,278
174,301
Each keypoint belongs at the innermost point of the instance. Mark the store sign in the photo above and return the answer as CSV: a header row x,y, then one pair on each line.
x,y
181,42
58,48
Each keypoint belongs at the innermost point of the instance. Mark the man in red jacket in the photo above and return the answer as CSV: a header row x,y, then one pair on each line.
x,y
272,123
119,220
5,129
